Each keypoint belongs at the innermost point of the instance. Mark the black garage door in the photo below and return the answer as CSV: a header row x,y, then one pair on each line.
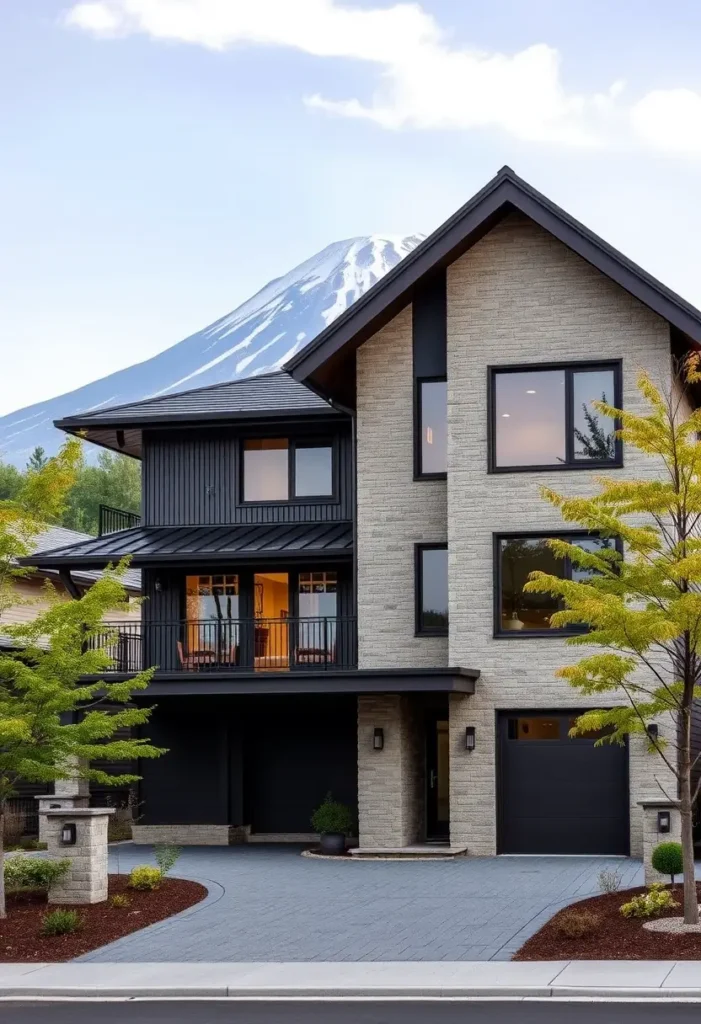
x,y
559,795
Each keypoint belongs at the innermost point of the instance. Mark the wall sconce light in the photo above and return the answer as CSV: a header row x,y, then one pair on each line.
x,y
664,821
158,585
68,834
378,739
470,738
653,731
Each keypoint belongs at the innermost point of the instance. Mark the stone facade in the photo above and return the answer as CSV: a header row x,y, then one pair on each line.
x,y
185,835
395,512
391,780
652,837
517,296
86,880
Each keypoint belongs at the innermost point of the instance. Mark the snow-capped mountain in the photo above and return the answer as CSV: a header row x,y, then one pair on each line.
x,y
258,336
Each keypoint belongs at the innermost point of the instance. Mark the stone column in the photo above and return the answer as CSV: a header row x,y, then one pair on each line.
x,y
652,806
68,793
86,880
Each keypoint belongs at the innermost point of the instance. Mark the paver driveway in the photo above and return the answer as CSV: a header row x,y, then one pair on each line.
x,y
268,903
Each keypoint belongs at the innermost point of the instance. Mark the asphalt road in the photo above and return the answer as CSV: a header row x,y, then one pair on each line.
x,y
203,1012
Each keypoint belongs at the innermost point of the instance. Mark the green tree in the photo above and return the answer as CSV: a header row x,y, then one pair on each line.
x,y
53,723
10,481
644,609
38,458
115,481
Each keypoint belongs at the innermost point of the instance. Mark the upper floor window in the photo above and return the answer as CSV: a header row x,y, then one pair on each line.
x,y
276,469
519,612
432,416
544,417
432,589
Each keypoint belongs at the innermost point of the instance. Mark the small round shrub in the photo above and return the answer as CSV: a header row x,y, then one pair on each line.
x,y
332,816
577,924
145,877
60,922
667,859
650,903
23,872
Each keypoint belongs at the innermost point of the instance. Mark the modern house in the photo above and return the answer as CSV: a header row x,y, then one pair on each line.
x,y
334,556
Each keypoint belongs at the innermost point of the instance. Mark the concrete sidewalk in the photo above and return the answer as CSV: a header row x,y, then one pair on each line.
x,y
622,979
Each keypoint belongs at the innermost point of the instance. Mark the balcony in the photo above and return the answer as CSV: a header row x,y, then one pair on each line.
x,y
112,520
231,645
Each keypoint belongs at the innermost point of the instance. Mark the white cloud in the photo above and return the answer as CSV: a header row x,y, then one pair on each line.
x,y
420,78
669,120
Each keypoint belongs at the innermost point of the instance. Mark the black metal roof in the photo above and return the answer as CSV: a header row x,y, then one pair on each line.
x,y
504,194
149,545
268,396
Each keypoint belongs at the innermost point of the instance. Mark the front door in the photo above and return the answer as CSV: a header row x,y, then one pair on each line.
x,y
437,780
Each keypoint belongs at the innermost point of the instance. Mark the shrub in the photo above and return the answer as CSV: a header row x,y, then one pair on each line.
x,y
166,856
120,901
610,881
667,859
650,903
332,816
33,872
60,922
144,876
576,924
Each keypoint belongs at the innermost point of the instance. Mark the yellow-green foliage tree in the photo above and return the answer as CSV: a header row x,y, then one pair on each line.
x,y
643,608
57,716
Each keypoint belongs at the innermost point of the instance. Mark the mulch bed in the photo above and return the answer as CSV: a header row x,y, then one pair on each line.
x,y
615,937
21,941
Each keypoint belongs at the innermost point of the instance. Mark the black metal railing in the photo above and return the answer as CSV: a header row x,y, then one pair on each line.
x,y
229,645
112,520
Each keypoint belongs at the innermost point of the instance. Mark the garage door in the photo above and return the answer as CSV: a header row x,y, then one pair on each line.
x,y
559,795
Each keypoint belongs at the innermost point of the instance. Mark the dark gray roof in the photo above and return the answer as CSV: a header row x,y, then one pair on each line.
x,y
59,537
270,393
504,194
174,544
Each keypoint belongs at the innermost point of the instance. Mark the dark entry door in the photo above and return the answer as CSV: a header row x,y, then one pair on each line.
x,y
560,795
437,780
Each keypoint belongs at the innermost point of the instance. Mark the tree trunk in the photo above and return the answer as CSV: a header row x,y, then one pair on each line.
x,y
691,903
3,909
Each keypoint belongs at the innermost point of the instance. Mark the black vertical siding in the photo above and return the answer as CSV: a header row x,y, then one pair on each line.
x,y
192,478
429,327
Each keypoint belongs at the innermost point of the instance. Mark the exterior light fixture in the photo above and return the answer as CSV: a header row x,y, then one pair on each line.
x,y
664,821
68,834
378,739
530,391
470,738
506,415
158,585
653,731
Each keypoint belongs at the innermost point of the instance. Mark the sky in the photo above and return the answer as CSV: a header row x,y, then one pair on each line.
x,y
161,160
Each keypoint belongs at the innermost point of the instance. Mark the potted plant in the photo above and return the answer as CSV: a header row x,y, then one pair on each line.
x,y
333,821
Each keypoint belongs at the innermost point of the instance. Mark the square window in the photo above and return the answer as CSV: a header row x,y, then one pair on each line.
x,y
313,471
265,469
545,418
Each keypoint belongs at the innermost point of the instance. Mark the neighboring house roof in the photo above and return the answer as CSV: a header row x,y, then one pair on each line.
x,y
268,396
322,363
60,537
175,544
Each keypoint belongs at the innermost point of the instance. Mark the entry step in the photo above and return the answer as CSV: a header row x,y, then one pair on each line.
x,y
417,850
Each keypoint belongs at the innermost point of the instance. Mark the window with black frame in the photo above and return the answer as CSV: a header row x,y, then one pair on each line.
x,y
518,612
432,427
431,589
545,417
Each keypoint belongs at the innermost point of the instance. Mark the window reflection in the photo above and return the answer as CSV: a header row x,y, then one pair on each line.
x,y
265,469
313,471
594,436
433,597
530,418
433,398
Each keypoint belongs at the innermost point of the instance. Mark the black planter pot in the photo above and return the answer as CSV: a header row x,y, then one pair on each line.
x,y
333,843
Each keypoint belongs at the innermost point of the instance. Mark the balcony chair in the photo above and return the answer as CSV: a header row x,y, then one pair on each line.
x,y
193,659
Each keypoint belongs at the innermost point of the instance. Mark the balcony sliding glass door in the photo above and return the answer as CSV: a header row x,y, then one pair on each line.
x,y
212,626
318,592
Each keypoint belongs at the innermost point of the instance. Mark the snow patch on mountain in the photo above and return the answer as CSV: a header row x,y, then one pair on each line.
x,y
258,336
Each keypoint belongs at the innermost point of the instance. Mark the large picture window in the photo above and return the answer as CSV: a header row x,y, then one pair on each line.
x,y
431,589
518,613
431,428
544,417
277,469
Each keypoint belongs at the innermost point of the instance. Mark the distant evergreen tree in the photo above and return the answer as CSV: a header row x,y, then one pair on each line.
x,y
37,460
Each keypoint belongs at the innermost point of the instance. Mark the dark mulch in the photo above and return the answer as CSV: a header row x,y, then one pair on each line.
x,y
615,937
21,941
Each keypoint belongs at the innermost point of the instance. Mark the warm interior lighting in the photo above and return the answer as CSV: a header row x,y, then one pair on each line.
x,y
505,415
429,435
530,392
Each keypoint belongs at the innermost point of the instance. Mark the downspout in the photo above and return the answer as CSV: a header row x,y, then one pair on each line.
x,y
69,583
